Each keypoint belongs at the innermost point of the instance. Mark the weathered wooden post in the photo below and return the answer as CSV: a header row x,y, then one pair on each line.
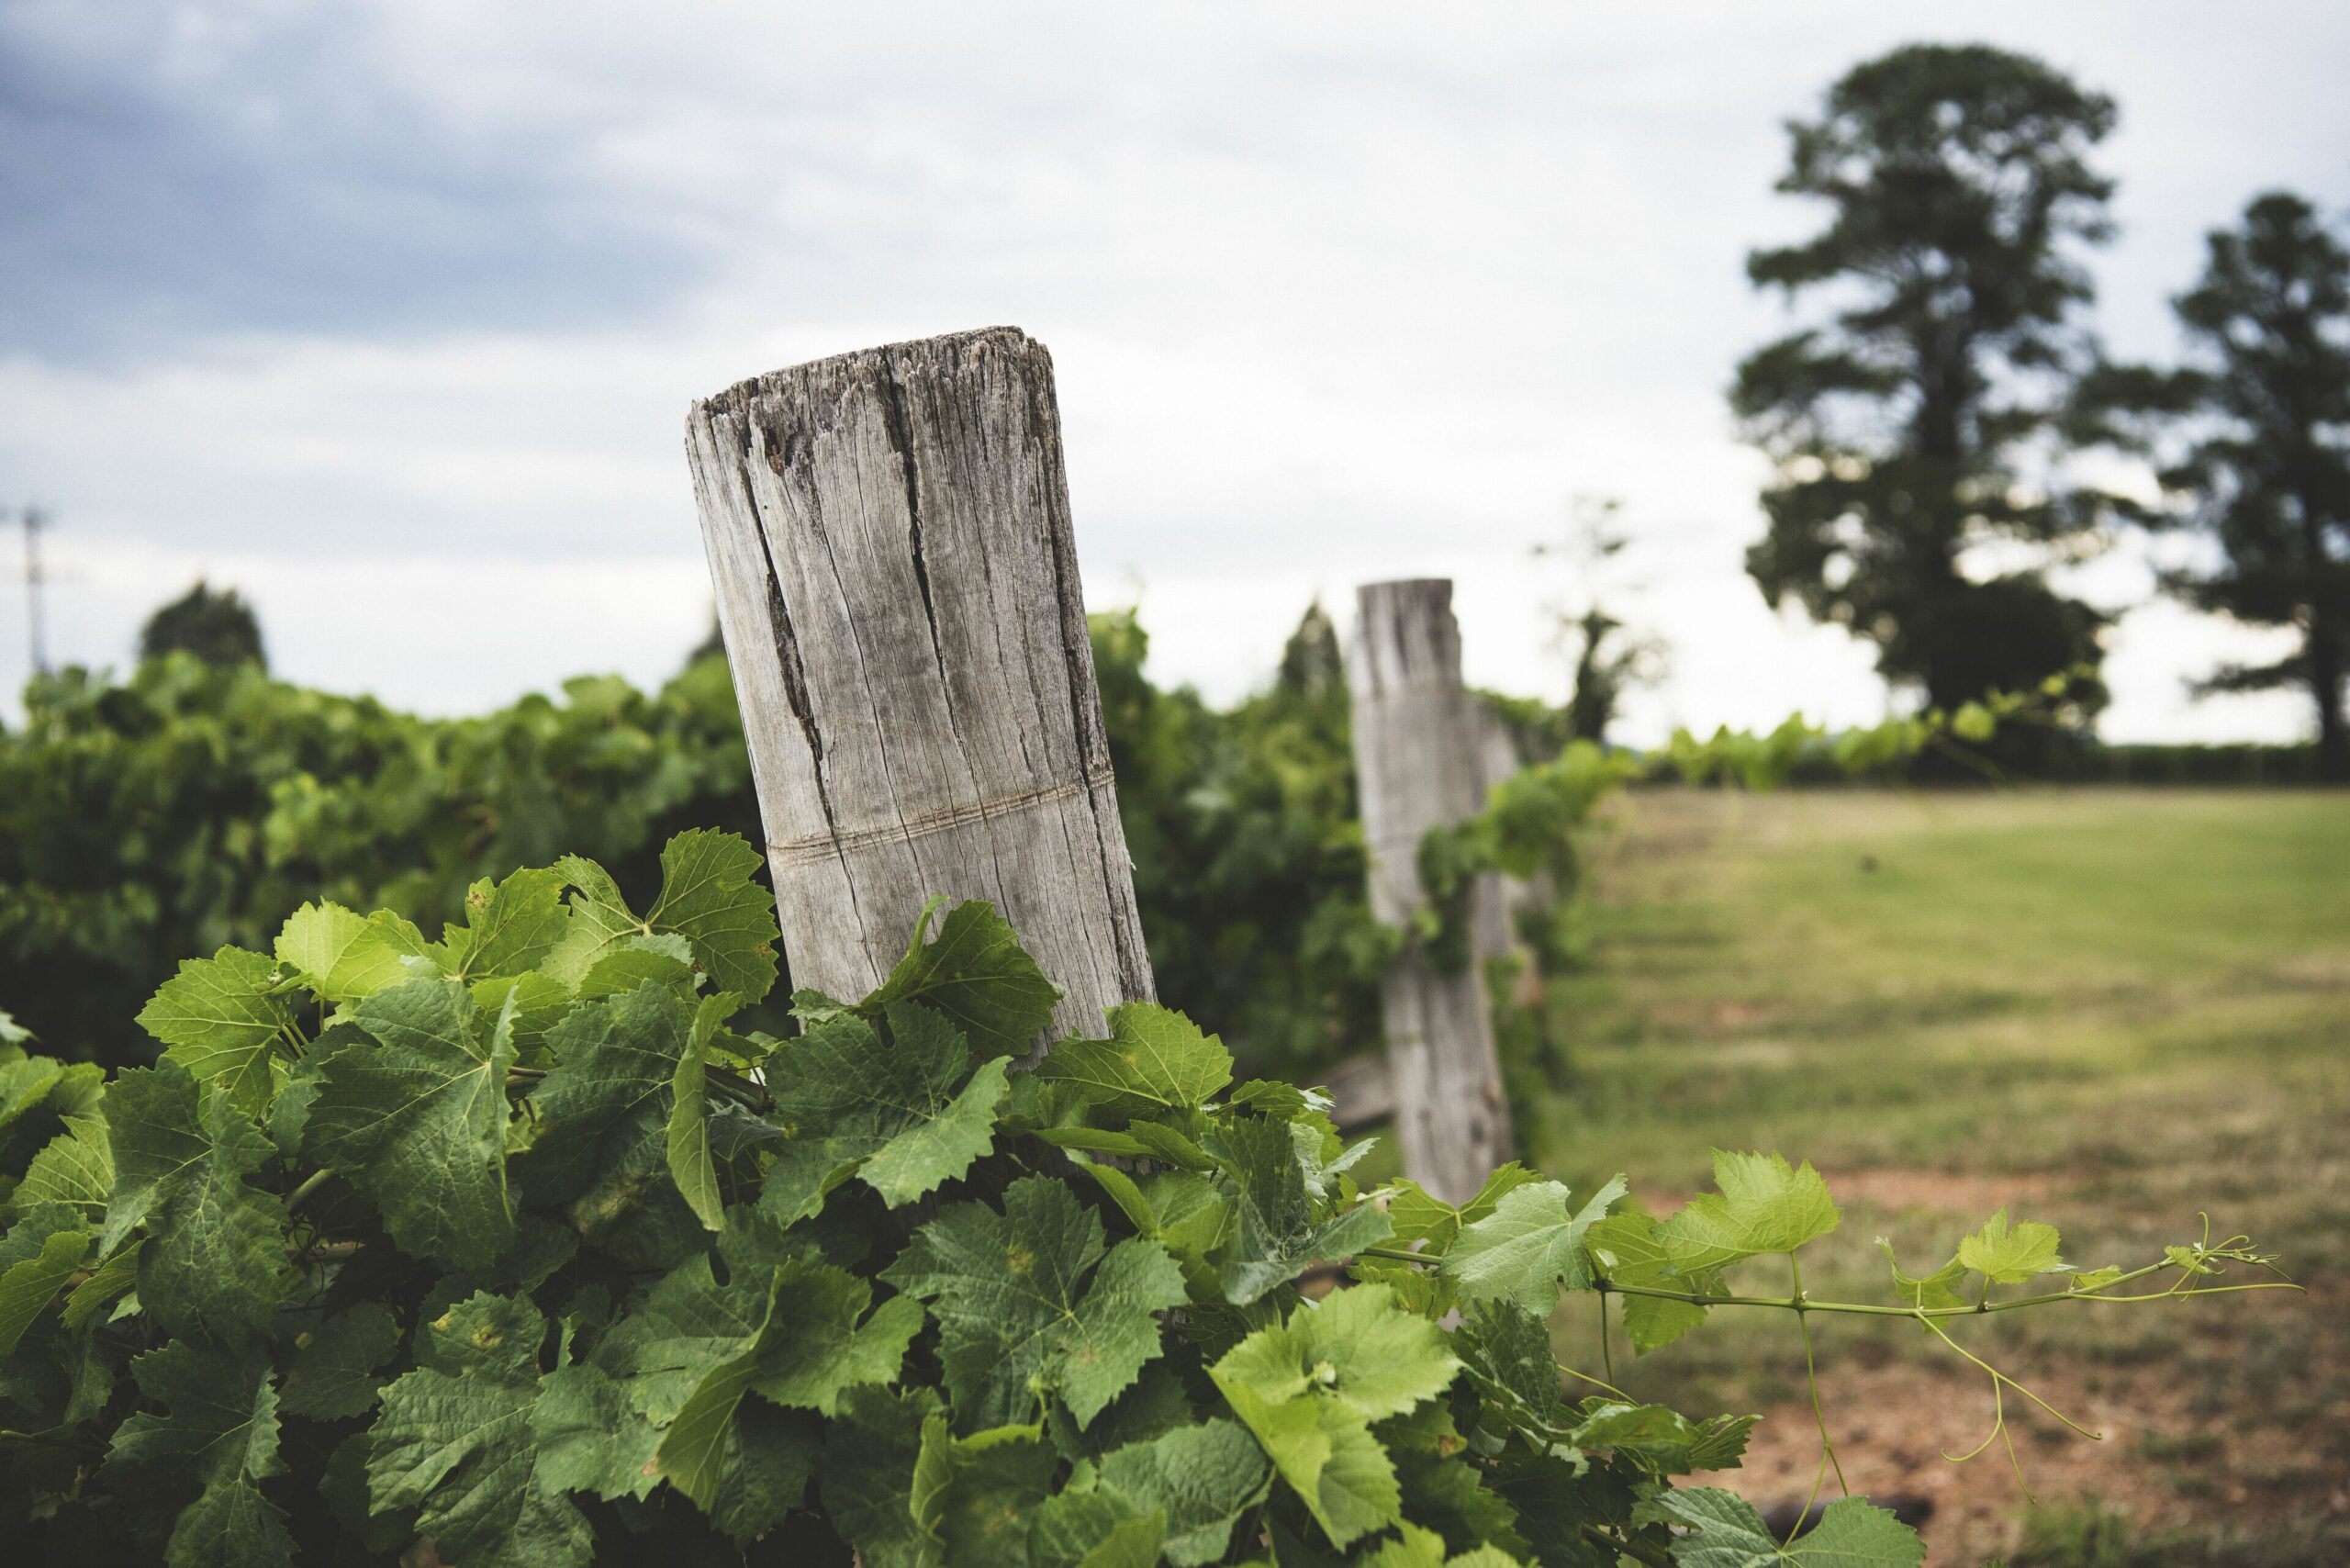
x,y
888,536
1418,763
1497,934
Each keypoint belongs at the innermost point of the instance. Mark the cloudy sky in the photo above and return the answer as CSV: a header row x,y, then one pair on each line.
x,y
389,314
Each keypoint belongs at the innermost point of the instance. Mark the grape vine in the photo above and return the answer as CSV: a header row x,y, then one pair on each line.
x,y
510,1247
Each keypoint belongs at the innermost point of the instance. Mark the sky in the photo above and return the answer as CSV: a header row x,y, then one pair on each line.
x,y
388,314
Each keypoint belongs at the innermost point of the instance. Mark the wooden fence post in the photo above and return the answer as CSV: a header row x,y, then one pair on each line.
x,y
1496,934
1419,763
889,536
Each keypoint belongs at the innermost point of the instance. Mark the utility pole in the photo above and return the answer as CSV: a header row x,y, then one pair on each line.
x,y
35,520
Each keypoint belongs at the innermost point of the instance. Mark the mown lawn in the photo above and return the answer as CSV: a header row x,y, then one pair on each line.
x,y
2109,1009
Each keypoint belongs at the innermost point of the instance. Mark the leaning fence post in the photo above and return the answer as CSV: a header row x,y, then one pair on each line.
x,y
889,536
1418,763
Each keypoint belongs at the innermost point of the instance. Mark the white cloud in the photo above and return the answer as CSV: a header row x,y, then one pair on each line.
x,y
1334,292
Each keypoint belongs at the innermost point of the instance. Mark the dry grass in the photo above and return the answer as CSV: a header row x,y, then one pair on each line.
x,y
2109,1009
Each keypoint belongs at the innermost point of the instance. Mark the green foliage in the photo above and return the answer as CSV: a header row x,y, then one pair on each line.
x,y
1730,1534
1908,425
196,806
213,624
379,1268
1247,851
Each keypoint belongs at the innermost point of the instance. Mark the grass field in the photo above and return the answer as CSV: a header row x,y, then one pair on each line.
x,y
2107,1009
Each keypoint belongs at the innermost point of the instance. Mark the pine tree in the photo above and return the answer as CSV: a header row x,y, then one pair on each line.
x,y
1904,425
2253,434
215,624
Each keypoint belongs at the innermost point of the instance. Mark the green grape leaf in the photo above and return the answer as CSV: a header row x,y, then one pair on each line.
x,y
1097,1529
1629,1252
453,1441
975,972
509,928
25,1082
215,1243
27,1287
1507,1350
1127,1194
763,1477
220,1019
1531,1248
341,957
2091,1280
668,1385
1326,1452
108,1281
688,1135
2009,1256
1156,1060
825,1350
289,1114
76,1168
1306,1388
214,1448
1728,1533
1282,1102
1416,1547
1027,1300
1935,1290
610,1089
591,1438
152,1138
1764,1206
400,933
1368,1353
418,1122
1169,1147
1418,1290
707,897
682,1330
640,960
905,1118
1201,1478
1420,1218
1721,1443
867,1478
692,1454
1442,1491
332,1374
1662,1441
538,1002
974,1496
1273,1235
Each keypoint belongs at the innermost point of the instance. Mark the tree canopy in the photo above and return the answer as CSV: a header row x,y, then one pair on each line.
x,y
2253,441
215,624
1910,423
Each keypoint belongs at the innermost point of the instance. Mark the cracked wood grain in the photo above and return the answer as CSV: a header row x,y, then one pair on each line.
x,y
1420,761
889,536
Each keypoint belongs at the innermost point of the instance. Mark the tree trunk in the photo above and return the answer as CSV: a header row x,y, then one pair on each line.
x,y
2324,643
1419,763
2325,684
889,536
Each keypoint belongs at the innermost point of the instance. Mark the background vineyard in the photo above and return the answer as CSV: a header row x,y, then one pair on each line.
x,y
185,805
